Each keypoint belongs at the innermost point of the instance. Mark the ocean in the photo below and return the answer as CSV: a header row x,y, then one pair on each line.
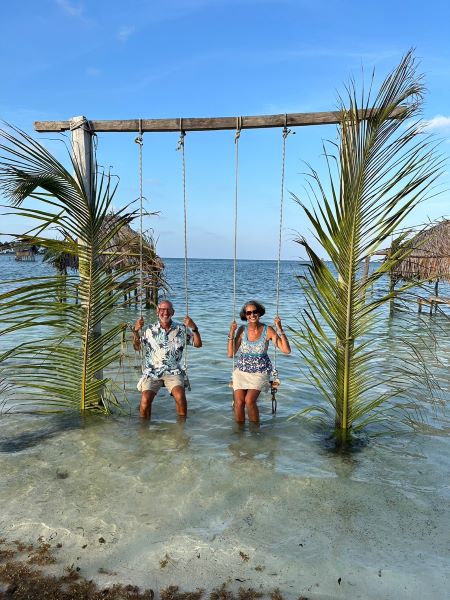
x,y
203,503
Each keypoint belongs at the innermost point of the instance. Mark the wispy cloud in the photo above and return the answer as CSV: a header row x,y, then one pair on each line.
x,y
74,9
125,32
92,71
438,123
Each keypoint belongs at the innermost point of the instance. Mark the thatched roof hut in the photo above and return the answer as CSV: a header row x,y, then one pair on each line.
x,y
25,252
126,245
124,251
430,257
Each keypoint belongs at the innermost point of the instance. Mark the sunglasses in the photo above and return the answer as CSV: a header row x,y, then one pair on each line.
x,y
251,312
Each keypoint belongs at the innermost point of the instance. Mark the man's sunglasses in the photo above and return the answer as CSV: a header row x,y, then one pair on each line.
x,y
251,312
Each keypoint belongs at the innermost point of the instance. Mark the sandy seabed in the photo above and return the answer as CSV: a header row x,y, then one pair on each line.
x,y
267,513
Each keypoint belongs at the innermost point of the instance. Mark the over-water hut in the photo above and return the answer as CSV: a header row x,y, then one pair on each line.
x,y
125,248
25,252
428,261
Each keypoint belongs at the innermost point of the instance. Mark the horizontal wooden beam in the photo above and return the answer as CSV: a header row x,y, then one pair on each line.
x,y
208,123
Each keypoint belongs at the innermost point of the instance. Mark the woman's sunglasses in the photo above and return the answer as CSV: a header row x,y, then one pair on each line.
x,y
251,312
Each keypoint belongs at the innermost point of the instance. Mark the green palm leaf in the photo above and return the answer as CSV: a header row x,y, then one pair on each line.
x,y
382,168
64,369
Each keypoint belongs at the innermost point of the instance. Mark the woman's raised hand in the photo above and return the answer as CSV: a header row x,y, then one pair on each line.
x,y
277,322
139,324
281,339
233,328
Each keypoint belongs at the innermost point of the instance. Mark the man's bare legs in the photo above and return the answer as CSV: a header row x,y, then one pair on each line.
x,y
145,407
180,401
147,397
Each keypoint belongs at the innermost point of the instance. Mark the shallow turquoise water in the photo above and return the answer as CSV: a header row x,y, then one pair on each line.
x,y
204,492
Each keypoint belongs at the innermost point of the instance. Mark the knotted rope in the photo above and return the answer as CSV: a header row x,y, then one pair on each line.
x,y
181,148
237,135
140,140
275,379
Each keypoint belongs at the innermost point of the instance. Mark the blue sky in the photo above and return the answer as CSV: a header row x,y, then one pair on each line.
x,y
189,58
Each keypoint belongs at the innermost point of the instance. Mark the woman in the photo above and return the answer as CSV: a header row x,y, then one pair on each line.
x,y
253,367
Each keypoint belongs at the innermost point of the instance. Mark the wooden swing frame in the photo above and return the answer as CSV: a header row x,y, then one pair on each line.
x,y
204,124
83,130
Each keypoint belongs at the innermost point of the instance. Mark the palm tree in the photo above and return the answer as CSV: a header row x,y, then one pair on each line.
x,y
65,368
382,168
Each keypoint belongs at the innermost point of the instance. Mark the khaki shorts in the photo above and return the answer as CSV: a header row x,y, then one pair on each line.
x,y
148,384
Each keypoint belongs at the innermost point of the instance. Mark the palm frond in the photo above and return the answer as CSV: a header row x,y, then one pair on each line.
x,y
381,170
65,368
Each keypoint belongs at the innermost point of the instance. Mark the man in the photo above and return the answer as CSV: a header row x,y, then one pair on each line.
x,y
163,344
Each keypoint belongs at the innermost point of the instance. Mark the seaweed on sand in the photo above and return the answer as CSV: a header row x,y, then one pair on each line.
x,y
173,593
26,583
23,576
20,581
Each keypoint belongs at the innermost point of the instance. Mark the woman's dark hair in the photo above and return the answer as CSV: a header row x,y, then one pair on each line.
x,y
259,307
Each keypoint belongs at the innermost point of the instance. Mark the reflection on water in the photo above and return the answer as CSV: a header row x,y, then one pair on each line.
x,y
49,426
206,490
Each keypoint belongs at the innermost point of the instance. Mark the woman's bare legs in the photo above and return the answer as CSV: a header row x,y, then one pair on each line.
x,y
239,406
246,398
252,408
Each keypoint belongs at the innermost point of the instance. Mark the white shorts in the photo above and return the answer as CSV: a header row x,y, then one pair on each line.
x,y
148,384
251,381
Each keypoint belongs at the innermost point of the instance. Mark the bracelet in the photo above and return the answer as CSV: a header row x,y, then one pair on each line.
x,y
231,338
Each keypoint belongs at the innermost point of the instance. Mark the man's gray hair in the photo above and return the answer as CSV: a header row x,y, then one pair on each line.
x,y
165,302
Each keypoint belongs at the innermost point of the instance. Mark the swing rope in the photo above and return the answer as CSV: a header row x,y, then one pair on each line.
x,y
237,135
180,147
140,140
275,379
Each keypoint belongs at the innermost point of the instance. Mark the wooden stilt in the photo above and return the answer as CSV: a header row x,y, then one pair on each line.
x,y
391,288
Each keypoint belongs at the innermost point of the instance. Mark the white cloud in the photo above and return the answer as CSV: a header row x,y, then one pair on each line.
x,y
438,123
71,8
125,32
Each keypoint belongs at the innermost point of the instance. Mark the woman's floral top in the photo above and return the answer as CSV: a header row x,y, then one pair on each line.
x,y
253,357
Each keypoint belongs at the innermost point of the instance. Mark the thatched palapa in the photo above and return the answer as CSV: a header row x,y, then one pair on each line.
x,y
123,251
429,259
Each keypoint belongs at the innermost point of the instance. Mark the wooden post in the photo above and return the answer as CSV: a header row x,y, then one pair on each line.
x,y
82,150
391,287
155,297
366,268
366,272
83,155
436,293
